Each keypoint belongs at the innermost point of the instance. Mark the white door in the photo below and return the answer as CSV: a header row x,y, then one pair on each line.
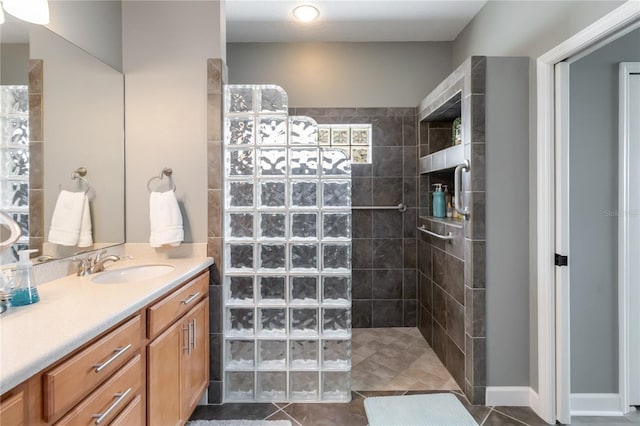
x,y
629,231
563,372
597,228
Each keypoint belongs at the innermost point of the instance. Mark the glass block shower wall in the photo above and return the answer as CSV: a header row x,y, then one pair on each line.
x,y
287,254
14,172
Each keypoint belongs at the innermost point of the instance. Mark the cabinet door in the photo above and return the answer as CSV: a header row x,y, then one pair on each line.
x,y
164,356
12,410
196,360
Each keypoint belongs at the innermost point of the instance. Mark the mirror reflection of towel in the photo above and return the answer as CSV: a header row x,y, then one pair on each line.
x,y
71,220
165,219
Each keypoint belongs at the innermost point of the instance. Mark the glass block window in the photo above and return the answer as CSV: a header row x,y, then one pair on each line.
x,y
287,251
354,139
14,162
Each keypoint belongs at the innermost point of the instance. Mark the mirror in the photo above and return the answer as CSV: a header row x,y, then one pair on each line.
x,y
62,109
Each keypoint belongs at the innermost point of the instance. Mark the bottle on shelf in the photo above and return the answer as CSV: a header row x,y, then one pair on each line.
x,y
456,131
439,209
447,201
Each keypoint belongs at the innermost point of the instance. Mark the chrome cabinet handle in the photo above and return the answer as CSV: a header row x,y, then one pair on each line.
x,y
194,334
186,347
191,298
121,397
449,236
457,185
118,353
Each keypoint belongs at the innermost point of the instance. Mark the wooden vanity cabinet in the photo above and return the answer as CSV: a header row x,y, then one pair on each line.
x,y
12,409
151,368
178,358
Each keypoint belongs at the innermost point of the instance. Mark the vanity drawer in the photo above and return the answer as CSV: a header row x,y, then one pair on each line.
x,y
109,399
67,383
132,415
172,307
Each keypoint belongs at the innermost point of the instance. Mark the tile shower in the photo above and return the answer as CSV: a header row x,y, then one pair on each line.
x,y
286,285
384,241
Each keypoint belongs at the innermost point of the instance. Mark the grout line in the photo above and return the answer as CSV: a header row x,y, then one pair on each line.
x,y
507,415
355,391
274,413
295,422
487,416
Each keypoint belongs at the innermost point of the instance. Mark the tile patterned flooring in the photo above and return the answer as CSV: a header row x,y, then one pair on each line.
x,y
385,362
395,359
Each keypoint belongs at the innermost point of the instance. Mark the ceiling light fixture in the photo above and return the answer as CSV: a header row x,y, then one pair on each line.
x,y
34,11
306,13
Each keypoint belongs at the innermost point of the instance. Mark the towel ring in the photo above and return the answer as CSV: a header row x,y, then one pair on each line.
x,y
165,172
79,174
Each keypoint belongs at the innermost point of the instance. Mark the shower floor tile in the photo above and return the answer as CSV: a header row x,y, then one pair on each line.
x,y
395,359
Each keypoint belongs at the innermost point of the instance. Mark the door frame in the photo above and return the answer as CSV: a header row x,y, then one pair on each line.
x,y
626,291
547,405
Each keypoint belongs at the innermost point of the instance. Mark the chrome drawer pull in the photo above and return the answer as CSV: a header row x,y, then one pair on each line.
x,y
121,397
191,298
118,352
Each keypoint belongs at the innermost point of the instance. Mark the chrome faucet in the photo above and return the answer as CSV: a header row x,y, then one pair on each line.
x,y
90,266
98,263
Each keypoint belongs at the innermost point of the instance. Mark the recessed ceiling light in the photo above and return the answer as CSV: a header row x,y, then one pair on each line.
x,y
306,13
34,11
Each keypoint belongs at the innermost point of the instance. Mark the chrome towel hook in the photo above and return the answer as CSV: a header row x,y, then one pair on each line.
x,y
165,172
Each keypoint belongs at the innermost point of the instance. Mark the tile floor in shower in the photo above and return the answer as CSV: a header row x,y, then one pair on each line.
x,y
385,361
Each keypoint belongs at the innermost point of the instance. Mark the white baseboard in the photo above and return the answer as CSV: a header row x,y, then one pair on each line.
x,y
596,404
511,396
534,401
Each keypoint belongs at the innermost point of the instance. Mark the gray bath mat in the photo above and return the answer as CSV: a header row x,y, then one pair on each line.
x,y
438,409
239,423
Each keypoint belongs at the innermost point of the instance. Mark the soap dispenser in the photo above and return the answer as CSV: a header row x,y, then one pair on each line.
x,y
25,292
439,209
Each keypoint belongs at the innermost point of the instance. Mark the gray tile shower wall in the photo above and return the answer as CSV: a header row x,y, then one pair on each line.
x,y
441,295
384,241
452,274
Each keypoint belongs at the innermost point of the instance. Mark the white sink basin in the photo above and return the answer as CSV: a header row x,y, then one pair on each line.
x,y
132,274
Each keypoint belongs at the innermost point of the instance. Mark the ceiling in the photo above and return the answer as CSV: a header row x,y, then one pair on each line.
x,y
350,20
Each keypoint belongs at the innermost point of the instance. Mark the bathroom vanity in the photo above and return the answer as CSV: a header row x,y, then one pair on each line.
x,y
126,353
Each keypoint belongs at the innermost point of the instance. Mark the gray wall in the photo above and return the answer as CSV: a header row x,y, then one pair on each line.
x,y
343,74
527,28
95,26
83,121
507,250
15,64
594,192
166,47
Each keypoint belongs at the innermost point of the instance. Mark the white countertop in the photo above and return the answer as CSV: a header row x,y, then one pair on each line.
x,y
73,310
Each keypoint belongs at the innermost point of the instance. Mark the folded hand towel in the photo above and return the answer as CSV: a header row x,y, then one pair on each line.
x,y
165,219
67,218
85,239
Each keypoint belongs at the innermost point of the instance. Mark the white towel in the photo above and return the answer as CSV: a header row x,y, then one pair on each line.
x,y
165,219
71,218
85,239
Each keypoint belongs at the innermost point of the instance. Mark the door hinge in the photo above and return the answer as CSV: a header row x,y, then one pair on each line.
x,y
561,260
